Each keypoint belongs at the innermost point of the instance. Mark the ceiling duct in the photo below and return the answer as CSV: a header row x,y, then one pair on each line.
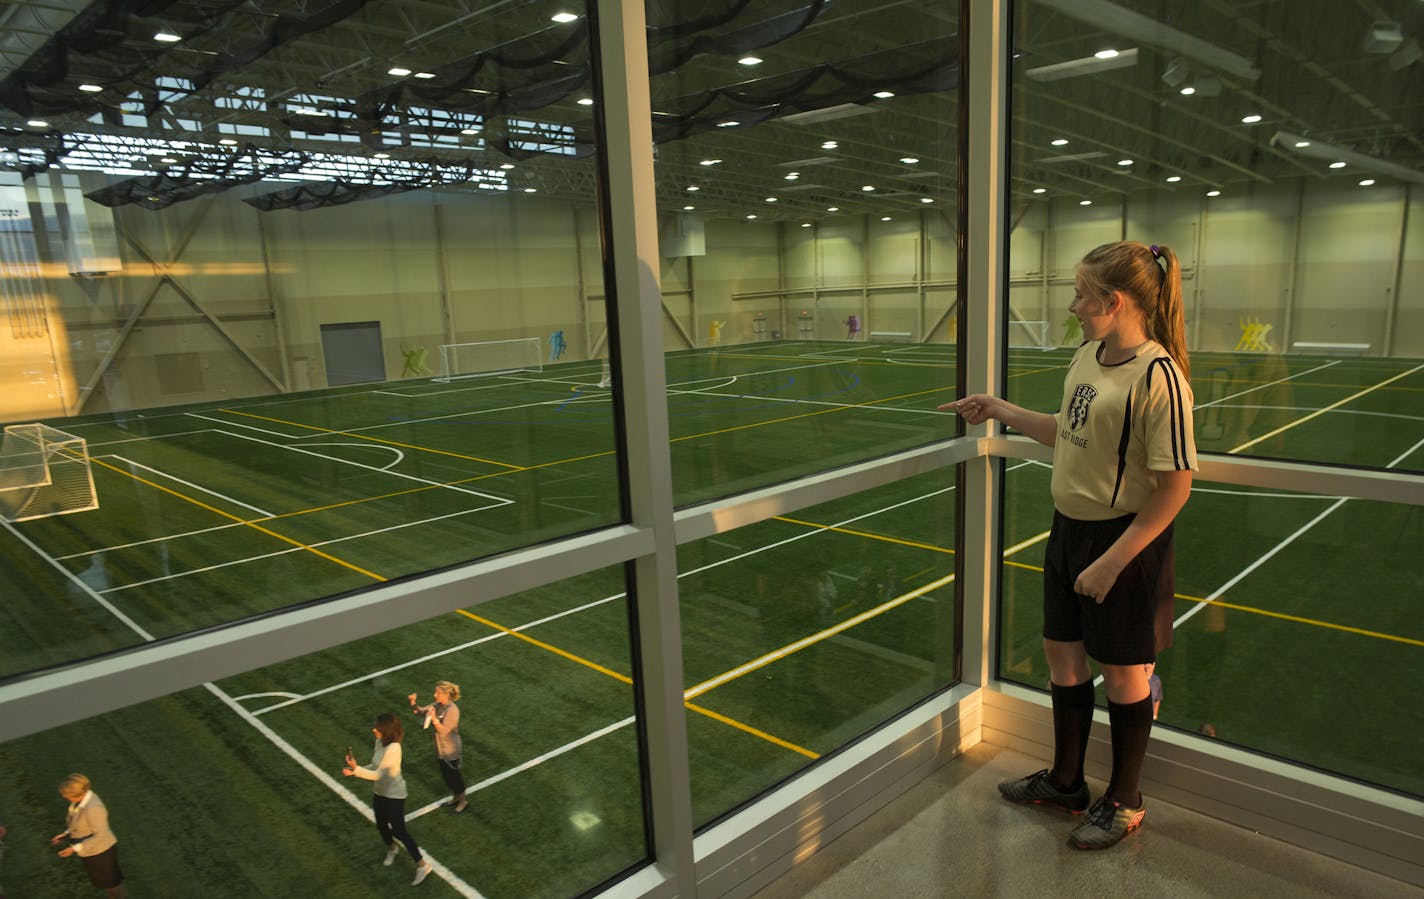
x,y
1088,65
1316,149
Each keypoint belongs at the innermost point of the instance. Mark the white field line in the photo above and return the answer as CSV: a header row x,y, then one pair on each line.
x,y
165,537
1299,374
228,423
397,454
1302,420
499,500
263,695
1364,412
177,480
459,885
784,399
525,766
333,541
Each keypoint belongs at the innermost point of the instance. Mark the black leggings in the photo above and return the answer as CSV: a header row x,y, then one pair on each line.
x,y
390,824
450,772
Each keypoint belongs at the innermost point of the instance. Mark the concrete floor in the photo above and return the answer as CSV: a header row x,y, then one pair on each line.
x,y
952,835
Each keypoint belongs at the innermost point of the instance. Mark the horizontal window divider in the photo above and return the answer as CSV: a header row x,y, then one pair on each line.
x,y
1276,474
64,695
729,513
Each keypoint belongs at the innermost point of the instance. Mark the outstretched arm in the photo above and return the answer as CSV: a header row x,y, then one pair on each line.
x,y
980,407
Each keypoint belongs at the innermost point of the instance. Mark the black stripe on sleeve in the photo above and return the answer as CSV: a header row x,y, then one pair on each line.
x,y
1175,410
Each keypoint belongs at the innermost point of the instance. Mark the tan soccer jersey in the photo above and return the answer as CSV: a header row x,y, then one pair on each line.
x,y
1118,424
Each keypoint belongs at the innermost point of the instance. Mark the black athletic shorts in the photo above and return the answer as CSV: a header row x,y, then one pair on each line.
x,y
1134,622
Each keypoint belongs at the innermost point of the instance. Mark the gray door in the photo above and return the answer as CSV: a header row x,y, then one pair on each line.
x,y
352,352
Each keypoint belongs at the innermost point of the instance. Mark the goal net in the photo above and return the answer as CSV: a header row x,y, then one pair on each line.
x,y
490,357
44,471
1024,335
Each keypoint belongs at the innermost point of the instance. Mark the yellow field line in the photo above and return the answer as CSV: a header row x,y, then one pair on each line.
x,y
1269,614
421,449
867,534
843,360
623,678
758,424
1303,419
256,527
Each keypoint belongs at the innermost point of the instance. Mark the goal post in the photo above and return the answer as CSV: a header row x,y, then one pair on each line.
x,y
44,471
1027,335
490,357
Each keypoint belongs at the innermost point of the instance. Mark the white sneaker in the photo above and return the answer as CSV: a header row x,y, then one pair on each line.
x,y
422,871
391,856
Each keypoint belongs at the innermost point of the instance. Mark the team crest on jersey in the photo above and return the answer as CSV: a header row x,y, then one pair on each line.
x,y
1083,396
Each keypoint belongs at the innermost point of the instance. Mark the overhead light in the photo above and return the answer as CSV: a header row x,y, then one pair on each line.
x,y
531,190
689,208
1407,54
829,145
585,101
792,176
805,224
752,216
1085,202
167,37
90,88
1187,91
398,71
833,209
728,124
425,75
1321,150
564,17
868,187
750,61
771,199
1173,179
1213,193
1250,119
693,188
884,95
507,166
1040,190
909,160
1124,162
228,142
1149,30
1088,65
1059,142
1106,54
926,200
37,123
469,131
1337,164
1367,182
709,162
1301,143
382,155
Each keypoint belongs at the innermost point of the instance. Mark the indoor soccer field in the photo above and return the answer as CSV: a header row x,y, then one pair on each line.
x,y
800,632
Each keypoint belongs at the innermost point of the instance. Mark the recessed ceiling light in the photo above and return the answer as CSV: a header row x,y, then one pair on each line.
x,y
563,17
37,123
752,216
926,200
689,208
728,124
168,160
1250,119
1059,142
531,190
1367,182
771,199
884,95
1085,202
709,162
398,71
469,131
228,142
792,176
585,101
1173,179
167,37
909,160
426,75
1337,165
1106,54
833,209
750,60
1187,91
868,187
805,224
1302,143
1040,190
885,218
1124,162
829,145
507,166
693,187
383,156
1213,193
90,88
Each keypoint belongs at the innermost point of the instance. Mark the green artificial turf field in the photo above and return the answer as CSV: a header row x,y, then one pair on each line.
x,y
799,632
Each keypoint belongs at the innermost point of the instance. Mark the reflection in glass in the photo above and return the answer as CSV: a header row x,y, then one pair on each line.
x,y
318,298
1215,131
803,632
239,782
807,229
1280,637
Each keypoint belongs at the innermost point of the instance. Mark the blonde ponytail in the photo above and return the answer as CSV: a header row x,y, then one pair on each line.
x,y
1153,277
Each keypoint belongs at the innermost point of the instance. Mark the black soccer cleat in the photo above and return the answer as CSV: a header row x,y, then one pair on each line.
x,y
1037,789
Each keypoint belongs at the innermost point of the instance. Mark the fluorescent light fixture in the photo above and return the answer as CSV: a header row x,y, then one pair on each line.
x,y
1213,193
1367,182
398,71
1301,143
1143,29
752,216
805,224
1085,202
1173,179
563,17
792,176
926,200
1124,162
833,209
469,131
1088,65
585,101
531,190
228,142
90,88
693,188
709,162
383,155
167,37
1250,119
771,199
728,124
1040,190
1337,164
868,187
750,61
37,123
1109,53
1059,142
688,208
1187,91
829,145
426,75
507,166
884,95
909,160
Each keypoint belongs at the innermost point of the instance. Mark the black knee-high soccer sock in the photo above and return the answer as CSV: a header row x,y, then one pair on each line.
x,y
1072,722
1131,729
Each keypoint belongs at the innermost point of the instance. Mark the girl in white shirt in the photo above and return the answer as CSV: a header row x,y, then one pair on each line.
x,y
390,793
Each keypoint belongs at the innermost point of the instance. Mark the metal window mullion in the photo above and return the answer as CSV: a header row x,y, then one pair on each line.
x,y
623,102
985,72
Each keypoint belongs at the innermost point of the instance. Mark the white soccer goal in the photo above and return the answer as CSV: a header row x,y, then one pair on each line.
x,y
44,471
490,357
606,378
1024,335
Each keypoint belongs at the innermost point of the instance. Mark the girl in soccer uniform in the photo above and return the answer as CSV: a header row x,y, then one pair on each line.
x,y
1123,457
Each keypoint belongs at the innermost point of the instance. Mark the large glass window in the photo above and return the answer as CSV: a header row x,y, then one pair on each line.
x,y
293,305
806,199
